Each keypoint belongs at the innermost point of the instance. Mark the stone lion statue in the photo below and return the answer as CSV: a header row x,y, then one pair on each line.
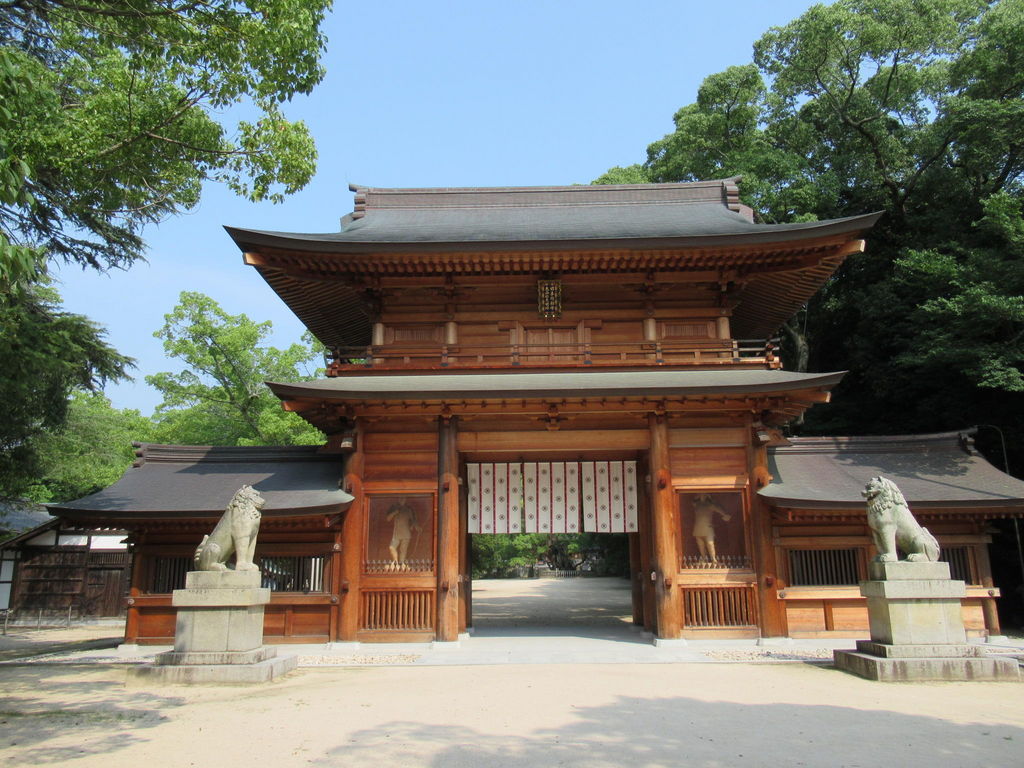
x,y
892,524
235,533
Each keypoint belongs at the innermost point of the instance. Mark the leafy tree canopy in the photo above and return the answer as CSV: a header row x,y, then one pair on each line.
x,y
107,117
220,397
916,108
45,355
90,452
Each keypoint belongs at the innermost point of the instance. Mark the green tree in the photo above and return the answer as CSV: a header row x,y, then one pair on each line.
x,y
90,452
220,398
916,108
110,116
46,354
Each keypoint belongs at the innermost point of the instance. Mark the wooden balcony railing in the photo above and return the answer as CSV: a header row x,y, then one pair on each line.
x,y
698,352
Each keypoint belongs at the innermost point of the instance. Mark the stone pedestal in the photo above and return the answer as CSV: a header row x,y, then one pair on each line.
x,y
917,629
218,636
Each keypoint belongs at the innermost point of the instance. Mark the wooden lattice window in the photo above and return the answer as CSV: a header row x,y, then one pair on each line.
x,y
713,607
683,330
303,573
413,334
824,567
293,573
168,574
959,559
409,610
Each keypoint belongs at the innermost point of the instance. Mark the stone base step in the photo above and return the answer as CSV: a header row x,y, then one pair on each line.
x,y
920,650
177,659
212,674
961,668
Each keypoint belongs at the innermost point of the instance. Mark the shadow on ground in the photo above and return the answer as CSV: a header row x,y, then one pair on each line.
x,y
680,731
97,713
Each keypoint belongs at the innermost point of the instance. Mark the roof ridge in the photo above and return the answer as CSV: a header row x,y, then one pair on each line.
x,y
191,454
353,187
909,443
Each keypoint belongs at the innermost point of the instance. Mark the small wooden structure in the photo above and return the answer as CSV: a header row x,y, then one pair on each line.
x,y
58,570
546,359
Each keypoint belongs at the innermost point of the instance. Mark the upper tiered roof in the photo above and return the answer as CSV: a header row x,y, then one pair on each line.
x,y
697,227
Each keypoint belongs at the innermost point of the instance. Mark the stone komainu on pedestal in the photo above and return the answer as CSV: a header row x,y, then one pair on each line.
x,y
218,633
234,534
914,607
892,525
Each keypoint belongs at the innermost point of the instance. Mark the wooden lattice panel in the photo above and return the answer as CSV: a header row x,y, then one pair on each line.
x,y
394,610
719,607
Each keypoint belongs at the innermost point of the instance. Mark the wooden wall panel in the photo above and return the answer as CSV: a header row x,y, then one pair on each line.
x,y
156,625
805,616
387,442
695,467
850,618
309,620
709,437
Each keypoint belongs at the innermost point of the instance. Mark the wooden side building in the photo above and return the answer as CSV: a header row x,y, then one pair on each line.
x,y
553,359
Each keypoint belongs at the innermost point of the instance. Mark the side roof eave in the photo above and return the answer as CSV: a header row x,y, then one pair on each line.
x,y
189,482
933,471
512,385
343,242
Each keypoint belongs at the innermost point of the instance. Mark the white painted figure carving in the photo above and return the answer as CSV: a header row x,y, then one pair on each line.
x,y
893,525
704,510
234,534
404,523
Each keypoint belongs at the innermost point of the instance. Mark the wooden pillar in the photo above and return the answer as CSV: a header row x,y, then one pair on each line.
x,y
665,561
447,531
352,543
646,555
131,624
988,604
770,608
636,578
337,571
465,563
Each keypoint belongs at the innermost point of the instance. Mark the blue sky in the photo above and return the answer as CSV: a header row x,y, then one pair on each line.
x,y
417,94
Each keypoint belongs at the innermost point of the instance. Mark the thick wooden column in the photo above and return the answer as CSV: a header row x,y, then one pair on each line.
x,y
668,603
447,531
337,572
988,604
646,555
352,543
772,611
136,588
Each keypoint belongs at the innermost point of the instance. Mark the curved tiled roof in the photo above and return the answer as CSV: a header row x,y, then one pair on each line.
x,y
692,226
647,216
173,481
937,470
